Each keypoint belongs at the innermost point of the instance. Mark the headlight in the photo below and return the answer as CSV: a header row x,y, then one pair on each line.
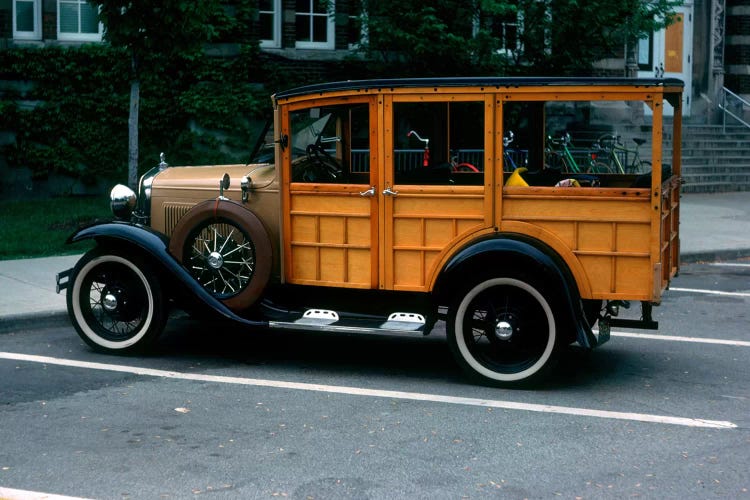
x,y
122,201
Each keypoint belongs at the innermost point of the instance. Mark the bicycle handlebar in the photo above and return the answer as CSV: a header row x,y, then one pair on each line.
x,y
562,140
415,134
614,138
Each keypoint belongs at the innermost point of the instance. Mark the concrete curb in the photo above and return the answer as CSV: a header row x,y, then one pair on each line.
x,y
40,319
714,255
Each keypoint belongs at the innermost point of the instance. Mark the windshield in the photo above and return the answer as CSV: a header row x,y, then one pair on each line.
x,y
263,151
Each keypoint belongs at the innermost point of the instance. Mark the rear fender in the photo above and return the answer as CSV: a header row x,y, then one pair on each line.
x,y
512,252
155,247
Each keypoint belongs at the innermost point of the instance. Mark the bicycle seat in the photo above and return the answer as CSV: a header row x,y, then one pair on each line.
x,y
639,142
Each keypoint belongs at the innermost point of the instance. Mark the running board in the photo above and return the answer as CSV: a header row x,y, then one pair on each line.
x,y
323,320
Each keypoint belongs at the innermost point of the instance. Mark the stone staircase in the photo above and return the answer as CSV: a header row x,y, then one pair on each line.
x,y
715,160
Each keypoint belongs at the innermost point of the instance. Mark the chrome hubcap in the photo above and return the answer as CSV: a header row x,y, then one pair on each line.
x,y
215,260
109,302
503,330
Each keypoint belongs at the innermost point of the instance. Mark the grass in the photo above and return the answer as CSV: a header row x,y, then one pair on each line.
x,y
39,228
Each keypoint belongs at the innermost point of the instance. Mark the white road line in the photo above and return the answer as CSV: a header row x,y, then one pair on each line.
x,y
709,292
677,338
729,264
358,391
11,494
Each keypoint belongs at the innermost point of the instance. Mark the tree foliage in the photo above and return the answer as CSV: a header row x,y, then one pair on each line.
x,y
158,29
71,117
459,38
155,32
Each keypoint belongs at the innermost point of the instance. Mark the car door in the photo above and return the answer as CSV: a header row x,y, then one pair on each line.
x,y
330,198
437,181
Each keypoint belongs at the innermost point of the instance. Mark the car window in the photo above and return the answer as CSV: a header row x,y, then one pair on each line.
x,y
331,144
438,143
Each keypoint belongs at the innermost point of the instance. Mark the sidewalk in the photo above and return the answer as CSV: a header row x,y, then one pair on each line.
x,y
714,227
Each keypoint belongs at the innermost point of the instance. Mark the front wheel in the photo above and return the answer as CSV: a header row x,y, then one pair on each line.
x,y
115,302
502,332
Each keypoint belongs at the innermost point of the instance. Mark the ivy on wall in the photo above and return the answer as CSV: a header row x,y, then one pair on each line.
x,y
68,110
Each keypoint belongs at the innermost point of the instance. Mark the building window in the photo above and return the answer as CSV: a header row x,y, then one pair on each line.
x,y
507,29
269,20
315,24
27,20
645,53
78,20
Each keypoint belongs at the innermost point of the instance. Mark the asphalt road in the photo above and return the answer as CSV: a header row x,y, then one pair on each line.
x,y
228,414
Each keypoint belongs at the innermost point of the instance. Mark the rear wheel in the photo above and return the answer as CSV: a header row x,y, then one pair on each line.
x,y
642,167
502,331
115,302
601,168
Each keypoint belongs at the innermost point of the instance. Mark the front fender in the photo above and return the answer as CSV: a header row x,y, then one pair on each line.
x,y
155,246
517,252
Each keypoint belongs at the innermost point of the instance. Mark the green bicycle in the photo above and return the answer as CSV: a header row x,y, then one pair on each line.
x,y
560,155
613,156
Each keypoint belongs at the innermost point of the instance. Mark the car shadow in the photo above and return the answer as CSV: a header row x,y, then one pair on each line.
x,y
314,352
211,344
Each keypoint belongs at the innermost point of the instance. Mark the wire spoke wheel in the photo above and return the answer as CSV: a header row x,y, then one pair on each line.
x,y
221,257
115,302
226,249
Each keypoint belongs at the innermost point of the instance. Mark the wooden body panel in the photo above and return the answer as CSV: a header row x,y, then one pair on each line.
x,y
330,240
618,242
609,236
421,225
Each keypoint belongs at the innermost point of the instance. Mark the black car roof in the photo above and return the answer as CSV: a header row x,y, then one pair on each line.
x,y
498,82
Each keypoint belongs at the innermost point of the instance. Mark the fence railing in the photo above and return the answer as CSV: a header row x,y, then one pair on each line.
x,y
406,160
733,106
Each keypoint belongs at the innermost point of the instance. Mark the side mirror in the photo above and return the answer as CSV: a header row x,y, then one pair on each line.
x,y
223,184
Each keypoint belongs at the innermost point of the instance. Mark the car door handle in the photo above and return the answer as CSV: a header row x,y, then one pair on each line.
x,y
388,192
369,193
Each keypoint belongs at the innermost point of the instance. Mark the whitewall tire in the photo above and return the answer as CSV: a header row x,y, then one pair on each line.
x,y
115,302
502,331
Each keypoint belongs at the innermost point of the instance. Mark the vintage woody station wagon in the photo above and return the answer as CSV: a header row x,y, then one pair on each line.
x,y
390,205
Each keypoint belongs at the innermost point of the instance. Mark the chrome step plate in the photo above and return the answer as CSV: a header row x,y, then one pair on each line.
x,y
318,317
404,321
398,323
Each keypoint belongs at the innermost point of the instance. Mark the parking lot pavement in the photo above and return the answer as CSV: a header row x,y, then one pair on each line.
x,y
657,414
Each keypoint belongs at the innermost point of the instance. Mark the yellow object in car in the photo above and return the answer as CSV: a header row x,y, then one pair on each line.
x,y
515,178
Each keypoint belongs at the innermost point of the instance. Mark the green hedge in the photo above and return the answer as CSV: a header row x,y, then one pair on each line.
x,y
71,115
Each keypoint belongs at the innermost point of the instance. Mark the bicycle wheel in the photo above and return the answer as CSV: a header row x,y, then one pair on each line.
x,y
640,167
601,168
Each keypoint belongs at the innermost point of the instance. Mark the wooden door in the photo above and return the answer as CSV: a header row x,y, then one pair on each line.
x,y
436,182
330,212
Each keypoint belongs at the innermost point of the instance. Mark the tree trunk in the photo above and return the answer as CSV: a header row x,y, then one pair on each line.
x,y
135,104
135,96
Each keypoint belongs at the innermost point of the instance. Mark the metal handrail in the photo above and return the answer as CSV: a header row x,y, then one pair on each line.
x,y
737,103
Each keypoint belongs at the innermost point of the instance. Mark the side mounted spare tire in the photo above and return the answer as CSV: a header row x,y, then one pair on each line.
x,y
226,249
